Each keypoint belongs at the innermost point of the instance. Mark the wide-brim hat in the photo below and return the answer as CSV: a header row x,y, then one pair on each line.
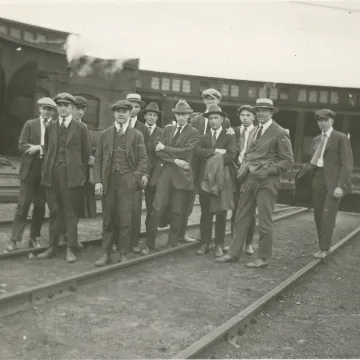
x,y
246,107
325,114
80,101
152,107
122,104
214,109
182,107
46,101
135,98
265,104
64,98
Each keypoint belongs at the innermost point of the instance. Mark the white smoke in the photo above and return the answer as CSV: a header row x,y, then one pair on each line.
x,y
74,47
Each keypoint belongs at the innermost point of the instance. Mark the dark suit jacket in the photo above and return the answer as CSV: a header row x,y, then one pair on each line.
x,y
135,153
30,135
156,136
271,153
204,150
183,150
198,122
146,134
77,153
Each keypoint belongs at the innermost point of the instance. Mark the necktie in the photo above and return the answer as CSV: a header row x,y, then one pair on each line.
x,y
213,139
63,123
177,133
150,129
318,151
120,132
259,133
242,139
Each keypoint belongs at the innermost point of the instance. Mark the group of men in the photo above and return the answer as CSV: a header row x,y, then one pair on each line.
x,y
236,169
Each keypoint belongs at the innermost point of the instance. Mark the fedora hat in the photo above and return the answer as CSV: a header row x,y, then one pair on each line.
x,y
264,103
153,107
135,98
182,107
214,109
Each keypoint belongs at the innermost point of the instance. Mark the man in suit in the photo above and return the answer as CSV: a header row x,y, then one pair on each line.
x,y
173,175
246,114
332,164
151,115
120,164
67,152
268,156
211,144
30,145
134,122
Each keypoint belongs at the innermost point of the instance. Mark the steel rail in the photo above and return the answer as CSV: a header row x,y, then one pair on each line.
x,y
97,241
235,327
24,299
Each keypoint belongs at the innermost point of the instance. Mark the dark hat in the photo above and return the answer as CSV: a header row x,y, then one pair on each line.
x,y
214,109
246,107
64,98
182,107
135,98
122,104
46,101
211,92
152,107
80,101
325,113
265,104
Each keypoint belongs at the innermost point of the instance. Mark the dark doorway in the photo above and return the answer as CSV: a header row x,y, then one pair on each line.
x,y
287,119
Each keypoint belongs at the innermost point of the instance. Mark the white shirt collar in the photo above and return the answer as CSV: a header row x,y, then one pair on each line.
x,y
133,121
328,133
43,120
151,127
67,120
124,127
266,125
180,127
217,131
249,128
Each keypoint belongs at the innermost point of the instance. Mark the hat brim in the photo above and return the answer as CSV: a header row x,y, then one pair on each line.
x,y
64,102
273,108
48,105
154,111
183,111
120,107
222,113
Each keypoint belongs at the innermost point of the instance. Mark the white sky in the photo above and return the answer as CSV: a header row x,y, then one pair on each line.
x,y
267,41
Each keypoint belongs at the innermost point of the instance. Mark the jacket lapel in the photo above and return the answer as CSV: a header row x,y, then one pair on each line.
x,y
54,132
171,135
38,128
130,134
183,134
219,139
330,141
110,138
266,135
72,130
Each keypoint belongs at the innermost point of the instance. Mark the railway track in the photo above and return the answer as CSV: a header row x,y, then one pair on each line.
x,y
181,298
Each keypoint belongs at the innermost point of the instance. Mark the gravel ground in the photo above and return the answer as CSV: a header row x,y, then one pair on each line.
x,y
158,308
319,318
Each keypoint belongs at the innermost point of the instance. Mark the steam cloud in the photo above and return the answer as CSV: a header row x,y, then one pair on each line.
x,y
83,65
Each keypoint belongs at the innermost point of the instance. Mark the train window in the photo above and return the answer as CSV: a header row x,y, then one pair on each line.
x,y
313,95
274,93
186,86
165,84
16,33
28,36
284,94
3,29
155,83
334,97
262,93
323,97
41,38
224,90
234,91
252,92
352,99
176,85
302,95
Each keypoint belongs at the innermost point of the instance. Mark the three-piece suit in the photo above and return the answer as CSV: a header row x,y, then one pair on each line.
x,y
31,189
174,186
205,149
120,162
267,158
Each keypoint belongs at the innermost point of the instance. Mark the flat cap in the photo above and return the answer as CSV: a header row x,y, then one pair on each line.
x,y
246,107
211,92
46,101
325,113
64,98
80,101
124,104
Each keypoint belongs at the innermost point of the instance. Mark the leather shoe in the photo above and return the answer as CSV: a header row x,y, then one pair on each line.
x,y
62,241
322,254
123,258
33,243
104,260
136,249
48,253
249,250
146,251
188,239
219,251
204,249
258,263
11,246
70,257
227,258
